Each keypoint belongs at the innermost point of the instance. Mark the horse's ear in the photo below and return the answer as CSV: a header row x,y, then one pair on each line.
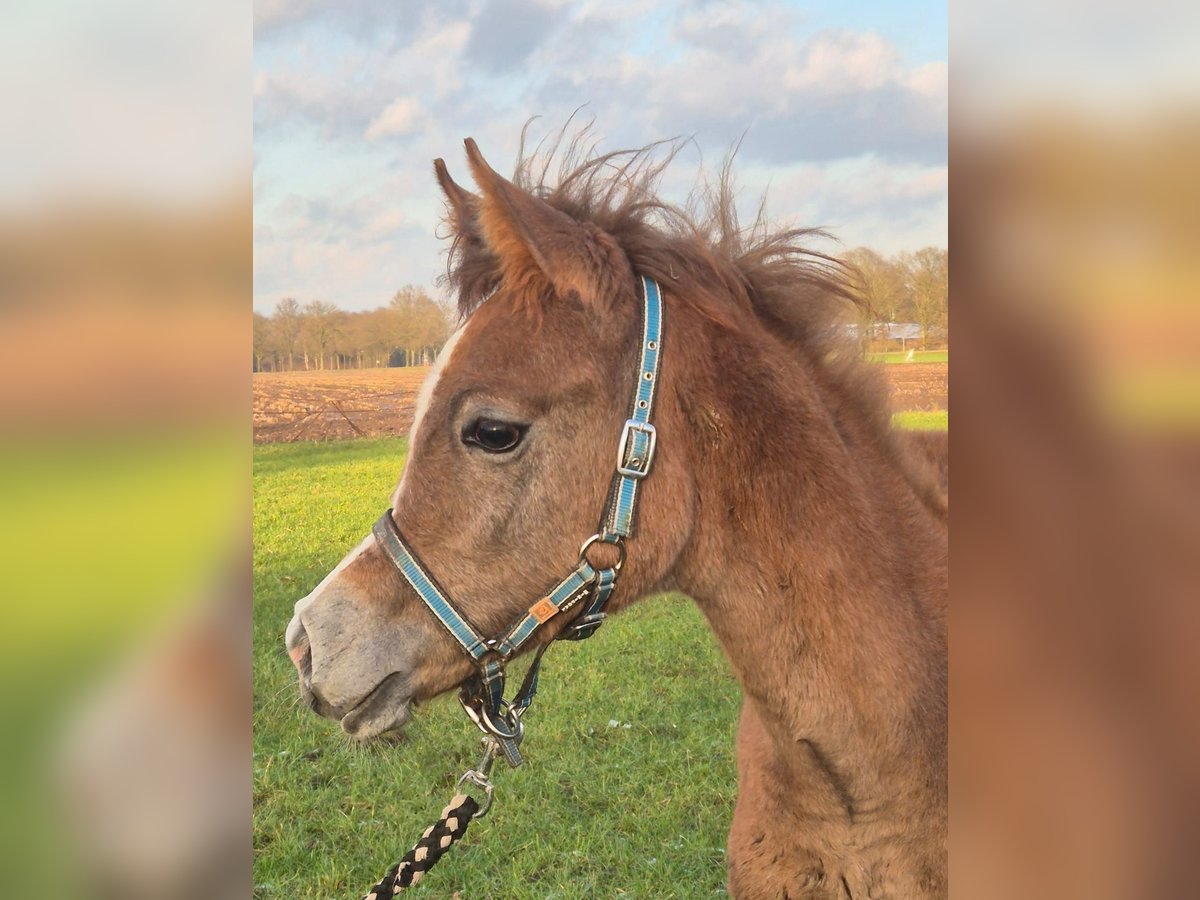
x,y
463,204
533,240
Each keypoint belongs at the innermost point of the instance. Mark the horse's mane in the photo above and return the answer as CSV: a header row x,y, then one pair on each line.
x,y
709,260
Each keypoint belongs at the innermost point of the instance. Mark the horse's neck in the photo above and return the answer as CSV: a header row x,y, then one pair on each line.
x,y
822,575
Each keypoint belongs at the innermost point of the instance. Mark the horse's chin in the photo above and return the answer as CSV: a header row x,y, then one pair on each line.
x,y
384,711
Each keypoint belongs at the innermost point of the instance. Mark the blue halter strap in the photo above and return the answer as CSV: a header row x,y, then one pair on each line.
x,y
586,586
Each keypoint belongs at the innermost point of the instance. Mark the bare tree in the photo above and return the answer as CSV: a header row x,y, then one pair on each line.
x,y
420,325
880,281
408,331
264,334
928,283
289,322
322,321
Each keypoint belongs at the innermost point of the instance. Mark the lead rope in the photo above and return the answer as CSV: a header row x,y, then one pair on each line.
x,y
445,832
438,838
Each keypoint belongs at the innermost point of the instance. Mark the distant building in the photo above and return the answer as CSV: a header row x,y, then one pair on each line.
x,y
890,331
900,331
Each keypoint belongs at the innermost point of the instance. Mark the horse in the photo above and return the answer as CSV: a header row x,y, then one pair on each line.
x,y
810,534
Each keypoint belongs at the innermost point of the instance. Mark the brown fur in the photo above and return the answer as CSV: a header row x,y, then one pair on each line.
x,y
812,537
934,448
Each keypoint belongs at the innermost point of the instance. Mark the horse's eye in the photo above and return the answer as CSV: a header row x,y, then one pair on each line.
x,y
493,435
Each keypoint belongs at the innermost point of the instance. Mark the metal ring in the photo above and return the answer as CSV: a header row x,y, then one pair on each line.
x,y
511,720
476,710
619,543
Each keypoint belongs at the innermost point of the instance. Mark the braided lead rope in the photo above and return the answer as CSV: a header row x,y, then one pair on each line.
x,y
436,840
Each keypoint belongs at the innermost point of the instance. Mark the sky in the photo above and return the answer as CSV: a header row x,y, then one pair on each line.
x,y
841,108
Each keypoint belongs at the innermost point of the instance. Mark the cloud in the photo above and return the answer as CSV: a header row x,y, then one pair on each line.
x,y
339,92
354,250
271,14
732,28
506,32
835,94
868,201
290,100
840,62
435,59
353,275
402,116
282,20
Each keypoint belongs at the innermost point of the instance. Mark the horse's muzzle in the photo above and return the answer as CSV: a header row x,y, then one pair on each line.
x,y
301,655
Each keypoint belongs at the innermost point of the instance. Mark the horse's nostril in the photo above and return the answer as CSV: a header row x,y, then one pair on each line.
x,y
304,663
300,651
298,647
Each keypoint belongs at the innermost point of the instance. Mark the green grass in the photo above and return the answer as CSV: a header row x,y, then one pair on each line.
x,y
900,356
936,420
640,809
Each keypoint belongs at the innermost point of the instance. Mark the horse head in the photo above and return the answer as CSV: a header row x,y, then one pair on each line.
x,y
510,461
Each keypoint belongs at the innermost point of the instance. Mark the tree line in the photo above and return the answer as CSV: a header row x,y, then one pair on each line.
x,y
906,288
317,335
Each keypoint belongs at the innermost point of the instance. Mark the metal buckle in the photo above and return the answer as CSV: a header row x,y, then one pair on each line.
x,y
480,776
636,467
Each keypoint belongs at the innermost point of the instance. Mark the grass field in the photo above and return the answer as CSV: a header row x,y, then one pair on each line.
x,y
638,808
934,420
921,356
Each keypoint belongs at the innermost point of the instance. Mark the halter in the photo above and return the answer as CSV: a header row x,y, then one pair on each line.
x,y
586,586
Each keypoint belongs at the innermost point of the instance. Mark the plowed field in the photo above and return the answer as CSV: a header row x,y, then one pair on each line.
x,y
320,406
918,386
